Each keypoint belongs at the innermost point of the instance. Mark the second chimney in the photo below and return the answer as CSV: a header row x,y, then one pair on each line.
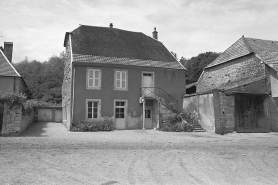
x,y
8,50
155,33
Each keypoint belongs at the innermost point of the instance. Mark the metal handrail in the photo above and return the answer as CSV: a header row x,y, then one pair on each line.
x,y
157,92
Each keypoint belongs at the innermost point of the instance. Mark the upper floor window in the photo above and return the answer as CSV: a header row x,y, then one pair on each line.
x,y
93,78
121,80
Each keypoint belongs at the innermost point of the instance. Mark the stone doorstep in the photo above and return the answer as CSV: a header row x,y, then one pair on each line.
x,y
10,134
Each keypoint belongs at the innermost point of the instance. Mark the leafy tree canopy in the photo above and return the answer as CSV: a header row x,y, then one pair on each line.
x,y
195,65
44,79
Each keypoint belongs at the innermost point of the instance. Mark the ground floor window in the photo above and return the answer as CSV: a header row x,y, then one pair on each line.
x,y
93,108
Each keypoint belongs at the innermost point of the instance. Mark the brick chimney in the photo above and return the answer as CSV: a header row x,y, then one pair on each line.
x,y
111,25
155,33
8,50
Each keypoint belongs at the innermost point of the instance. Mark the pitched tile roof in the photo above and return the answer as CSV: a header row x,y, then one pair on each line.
x,y
238,49
270,58
6,68
262,45
77,58
112,42
245,46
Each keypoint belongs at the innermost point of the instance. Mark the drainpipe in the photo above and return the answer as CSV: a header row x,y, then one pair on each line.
x,y
14,86
143,114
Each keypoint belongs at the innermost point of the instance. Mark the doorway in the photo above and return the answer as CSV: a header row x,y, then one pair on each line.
x,y
148,81
148,118
251,113
120,107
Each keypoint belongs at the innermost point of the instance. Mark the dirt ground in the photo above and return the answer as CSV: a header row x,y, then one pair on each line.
x,y
49,154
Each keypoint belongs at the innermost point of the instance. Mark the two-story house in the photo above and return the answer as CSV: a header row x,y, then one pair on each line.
x,y
127,76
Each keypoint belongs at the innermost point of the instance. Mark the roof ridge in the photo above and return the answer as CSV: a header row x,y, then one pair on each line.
x,y
247,44
102,27
261,39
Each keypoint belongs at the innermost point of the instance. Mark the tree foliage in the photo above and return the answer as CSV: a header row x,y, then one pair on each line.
x,y
195,65
44,79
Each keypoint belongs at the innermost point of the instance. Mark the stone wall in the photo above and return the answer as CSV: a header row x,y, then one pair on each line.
x,y
224,112
231,73
67,87
14,122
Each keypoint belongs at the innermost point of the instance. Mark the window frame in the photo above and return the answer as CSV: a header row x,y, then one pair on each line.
x,y
98,109
99,79
121,80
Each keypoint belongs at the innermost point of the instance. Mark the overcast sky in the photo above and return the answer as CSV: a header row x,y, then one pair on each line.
x,y
186,27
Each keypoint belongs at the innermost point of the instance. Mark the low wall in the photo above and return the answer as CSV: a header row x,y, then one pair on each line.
x,y
202,108
14,122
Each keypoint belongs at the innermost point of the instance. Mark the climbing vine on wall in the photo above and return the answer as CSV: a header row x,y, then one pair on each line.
x,y
13,99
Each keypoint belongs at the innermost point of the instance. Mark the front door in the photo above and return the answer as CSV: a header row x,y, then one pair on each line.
x,y
120,114
251,113
148,82
148,118
58,115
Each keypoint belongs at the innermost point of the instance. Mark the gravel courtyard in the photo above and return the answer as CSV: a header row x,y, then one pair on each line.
x,y
49,154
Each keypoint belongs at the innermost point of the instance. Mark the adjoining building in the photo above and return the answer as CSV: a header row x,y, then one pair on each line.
x,y
238,91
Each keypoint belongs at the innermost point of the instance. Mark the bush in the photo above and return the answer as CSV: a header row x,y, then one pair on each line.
x,y
105,124
176,122
13,99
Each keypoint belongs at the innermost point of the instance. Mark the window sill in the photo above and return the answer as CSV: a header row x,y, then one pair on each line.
x,y
93,88
117,89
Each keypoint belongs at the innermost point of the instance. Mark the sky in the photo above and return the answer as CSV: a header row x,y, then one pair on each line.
x,y
187,27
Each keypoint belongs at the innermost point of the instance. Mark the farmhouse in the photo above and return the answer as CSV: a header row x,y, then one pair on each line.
x,y
127,76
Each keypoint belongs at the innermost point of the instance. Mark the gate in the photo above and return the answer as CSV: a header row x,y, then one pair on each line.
x,y
50,114
251,113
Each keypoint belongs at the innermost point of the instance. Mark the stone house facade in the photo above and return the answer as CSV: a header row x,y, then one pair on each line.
x,y
243,84
10,79
127,76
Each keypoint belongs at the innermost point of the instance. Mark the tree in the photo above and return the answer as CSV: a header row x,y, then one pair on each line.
x,y
195,65
44,80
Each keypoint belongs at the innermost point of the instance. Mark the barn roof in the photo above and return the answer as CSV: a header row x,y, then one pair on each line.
x,y
245,46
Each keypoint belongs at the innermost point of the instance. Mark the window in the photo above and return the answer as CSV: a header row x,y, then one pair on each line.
x,y
93,78
120,109
93,109
148,114
120,80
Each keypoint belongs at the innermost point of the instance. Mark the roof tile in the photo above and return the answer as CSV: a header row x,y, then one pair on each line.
x,y
112,42
77,58
238,49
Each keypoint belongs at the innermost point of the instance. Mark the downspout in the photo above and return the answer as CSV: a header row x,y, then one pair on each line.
x,y
14,86
144,114
72,83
